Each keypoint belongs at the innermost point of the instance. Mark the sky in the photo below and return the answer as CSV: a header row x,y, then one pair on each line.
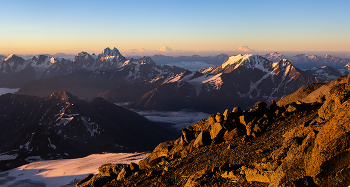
x,y
140,27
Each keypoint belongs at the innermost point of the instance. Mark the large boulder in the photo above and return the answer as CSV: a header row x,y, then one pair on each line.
x,y
216,131
329,163
187,135
256,175
125,172
162,150
202,139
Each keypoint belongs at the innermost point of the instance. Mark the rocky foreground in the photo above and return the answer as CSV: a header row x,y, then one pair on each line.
x,y
303,140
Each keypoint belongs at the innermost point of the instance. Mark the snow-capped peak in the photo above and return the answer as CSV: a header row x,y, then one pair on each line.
x,y
53,60
248,61
10,56
109,52
276,54
235,60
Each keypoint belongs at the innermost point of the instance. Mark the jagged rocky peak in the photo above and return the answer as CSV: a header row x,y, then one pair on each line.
x,y
82,56
14,58
247,60
146,60
113,55
142,60
108,52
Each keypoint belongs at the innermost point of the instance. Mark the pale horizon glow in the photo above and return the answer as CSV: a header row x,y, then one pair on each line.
x,y
173,27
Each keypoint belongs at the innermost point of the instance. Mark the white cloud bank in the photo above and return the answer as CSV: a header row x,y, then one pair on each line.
x,y
245,49
164,48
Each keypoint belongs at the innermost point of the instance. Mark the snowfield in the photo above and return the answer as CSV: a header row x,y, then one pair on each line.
x,y
65,172
8,90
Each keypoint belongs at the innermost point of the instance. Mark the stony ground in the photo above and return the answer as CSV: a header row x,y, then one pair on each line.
x,y
291,143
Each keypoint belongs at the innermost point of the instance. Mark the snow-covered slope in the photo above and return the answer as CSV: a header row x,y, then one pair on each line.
x,y
65,172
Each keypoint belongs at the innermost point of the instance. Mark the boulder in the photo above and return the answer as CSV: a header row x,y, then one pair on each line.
x,y
291,108
236,110
134,167
256,175
187,135
228,115
273,106
260,105
125,172
219,117
194,180
244,119
249,128
202,139
108,170
216,131
162,150
330,157
232,176
230,135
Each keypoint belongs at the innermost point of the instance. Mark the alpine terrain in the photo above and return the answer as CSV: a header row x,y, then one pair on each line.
x,y
302,140
64,126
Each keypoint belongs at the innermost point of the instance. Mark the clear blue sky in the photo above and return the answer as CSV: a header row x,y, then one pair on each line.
x,y
71,26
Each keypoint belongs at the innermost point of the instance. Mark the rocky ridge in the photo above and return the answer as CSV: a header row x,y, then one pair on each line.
x,y
64,126
303,140
84,76
241,81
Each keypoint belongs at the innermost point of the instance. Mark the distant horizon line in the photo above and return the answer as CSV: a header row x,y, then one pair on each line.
x,y
153,52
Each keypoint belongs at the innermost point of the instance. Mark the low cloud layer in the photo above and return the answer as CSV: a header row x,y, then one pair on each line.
x,y
180,119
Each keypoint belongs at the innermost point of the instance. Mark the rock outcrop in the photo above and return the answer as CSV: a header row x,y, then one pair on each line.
x,y
303,140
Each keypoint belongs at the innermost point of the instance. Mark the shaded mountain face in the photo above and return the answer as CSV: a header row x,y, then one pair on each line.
x,y
240,81
86,75
303,140
64,126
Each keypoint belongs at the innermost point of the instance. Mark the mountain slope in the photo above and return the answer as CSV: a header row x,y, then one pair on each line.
x,y
240,81
290,144
63,125
87,74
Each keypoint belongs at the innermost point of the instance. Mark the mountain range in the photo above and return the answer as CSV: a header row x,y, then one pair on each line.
x,y
64,126
84,76
240,80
